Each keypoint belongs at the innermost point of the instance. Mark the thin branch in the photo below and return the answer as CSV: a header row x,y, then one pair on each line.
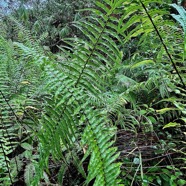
x,y
164,45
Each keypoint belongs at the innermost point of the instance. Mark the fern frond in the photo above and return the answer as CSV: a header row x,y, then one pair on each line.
x,y
8,125
98,138
181,18
136,18
67,114
17,96
67,117
29,173
99,53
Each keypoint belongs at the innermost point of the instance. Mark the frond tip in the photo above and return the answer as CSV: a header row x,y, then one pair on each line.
x,y
98,137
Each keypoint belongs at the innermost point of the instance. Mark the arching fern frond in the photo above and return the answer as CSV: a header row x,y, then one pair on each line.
x,y
137,22
17,94
8,125
99,54
69,116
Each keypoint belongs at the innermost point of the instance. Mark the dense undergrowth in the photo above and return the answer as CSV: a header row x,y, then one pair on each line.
x,y
106,108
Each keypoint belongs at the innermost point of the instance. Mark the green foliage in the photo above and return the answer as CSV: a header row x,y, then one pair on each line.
x,y
181,18
109,105
50,18
9,127
18,99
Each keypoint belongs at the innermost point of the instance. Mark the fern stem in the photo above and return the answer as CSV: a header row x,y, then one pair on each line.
x,y
94,48
164,45
92,52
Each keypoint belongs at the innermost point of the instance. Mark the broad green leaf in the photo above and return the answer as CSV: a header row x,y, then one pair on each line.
x,y
171,124
164,110
183,119
26,146
142,63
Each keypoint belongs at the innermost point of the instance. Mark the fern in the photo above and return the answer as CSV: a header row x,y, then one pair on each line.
x,y
181,18
8,128
17,96
89,90
29,173
82,75
68,112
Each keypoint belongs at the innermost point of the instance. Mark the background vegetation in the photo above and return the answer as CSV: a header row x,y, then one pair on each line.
x,y
92,93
